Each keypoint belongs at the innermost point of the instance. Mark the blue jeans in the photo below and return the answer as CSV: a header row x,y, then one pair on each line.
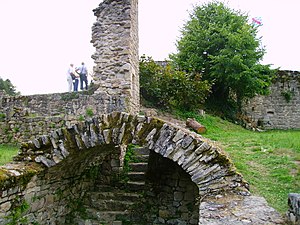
x,y
75,84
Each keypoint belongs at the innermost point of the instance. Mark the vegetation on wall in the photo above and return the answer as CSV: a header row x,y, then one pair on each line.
x,y
287,95
16,215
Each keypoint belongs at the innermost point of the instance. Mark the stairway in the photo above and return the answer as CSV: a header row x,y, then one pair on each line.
x,y
113,205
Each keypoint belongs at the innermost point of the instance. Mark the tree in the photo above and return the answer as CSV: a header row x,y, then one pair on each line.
x,y
220,44
8,87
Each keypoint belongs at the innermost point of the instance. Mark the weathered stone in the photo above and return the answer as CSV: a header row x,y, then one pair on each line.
x,y
4,207
246,210
178,136
293,213
168,150
115,135
121,134
203,147
45,140
86,140
45,161
79,142
178,196
186,141
106,134
36,143
149,138
163,213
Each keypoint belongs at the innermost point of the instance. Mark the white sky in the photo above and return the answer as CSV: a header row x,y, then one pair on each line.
x,y
39,39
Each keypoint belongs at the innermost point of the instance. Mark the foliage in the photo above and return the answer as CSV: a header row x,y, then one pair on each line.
x,y
8,87
89,112
268,160
287,95
81,118
2,116
77,208
165,87
16,215
219,43
130,156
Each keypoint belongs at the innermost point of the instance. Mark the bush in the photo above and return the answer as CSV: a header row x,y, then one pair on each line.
x,y
166,87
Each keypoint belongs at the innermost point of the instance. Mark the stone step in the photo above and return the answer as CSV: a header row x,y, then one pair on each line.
x,y
136,176
80,221
104,188
142,158
138,167
109,204
141,151
135,185
108,188
120,195
108,217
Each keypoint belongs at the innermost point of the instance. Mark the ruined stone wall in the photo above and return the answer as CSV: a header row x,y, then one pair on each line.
x,y
51,196
24,117
115,37
116,86
280,109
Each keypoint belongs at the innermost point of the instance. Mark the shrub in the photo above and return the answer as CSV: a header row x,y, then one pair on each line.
x,y
165,87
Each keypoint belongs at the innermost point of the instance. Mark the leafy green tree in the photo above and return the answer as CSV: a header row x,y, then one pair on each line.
x,y
8,87
219,43
168,88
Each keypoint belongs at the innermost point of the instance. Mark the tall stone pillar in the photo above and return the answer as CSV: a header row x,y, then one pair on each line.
x,y
115,37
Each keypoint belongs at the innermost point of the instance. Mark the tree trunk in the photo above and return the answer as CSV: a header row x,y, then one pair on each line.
x,y
192,123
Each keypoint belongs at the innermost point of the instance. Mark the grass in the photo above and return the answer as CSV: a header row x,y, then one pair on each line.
x,y
7,152
269,161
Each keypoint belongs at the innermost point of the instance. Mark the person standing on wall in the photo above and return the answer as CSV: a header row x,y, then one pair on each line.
x,y
82,71
70,77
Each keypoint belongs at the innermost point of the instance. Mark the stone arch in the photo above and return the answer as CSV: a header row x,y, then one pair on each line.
x,y
209,167
103,140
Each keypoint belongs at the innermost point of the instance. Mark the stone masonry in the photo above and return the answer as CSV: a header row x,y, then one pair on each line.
x,y
280,109
115,37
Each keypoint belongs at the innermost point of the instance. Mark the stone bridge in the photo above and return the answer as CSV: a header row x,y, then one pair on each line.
x,y
54,173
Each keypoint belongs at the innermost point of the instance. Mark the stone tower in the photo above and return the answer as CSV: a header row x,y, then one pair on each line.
x,y
115,37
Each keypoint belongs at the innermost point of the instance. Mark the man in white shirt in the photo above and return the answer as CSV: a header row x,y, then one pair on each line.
x,y
70,77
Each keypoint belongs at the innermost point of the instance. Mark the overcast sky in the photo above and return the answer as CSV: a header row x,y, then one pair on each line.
x,y
39,39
